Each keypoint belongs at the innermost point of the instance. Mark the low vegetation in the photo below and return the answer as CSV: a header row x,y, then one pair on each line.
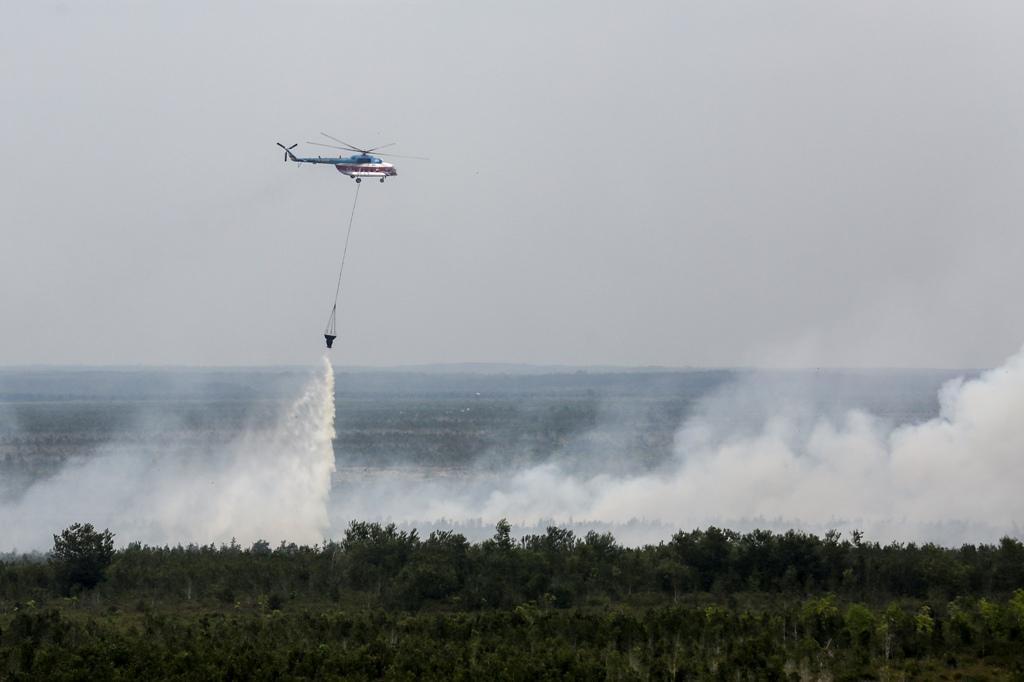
x,y
384,603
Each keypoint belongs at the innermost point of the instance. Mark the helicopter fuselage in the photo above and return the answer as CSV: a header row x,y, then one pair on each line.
x,y
366,170
358,166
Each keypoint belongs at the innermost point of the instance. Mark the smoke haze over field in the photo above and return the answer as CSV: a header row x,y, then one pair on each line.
x,y
268,484
951,479
742,458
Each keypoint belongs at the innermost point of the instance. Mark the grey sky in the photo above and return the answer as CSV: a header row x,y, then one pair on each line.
x,y
677,183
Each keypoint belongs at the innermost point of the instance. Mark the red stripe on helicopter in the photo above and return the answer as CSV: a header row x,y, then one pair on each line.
x,y
365,168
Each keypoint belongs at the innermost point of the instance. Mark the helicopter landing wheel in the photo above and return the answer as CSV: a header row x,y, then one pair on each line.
x,y
359,179
382,180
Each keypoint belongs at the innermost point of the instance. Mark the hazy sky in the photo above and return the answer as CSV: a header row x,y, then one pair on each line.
x,y
677,183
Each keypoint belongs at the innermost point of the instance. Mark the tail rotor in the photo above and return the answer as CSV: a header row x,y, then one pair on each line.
x,y
288,151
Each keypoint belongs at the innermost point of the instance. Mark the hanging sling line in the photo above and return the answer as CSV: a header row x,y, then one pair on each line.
x,y
330,330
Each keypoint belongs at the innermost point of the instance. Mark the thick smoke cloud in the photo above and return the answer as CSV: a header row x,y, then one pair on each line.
x,y
743,459
950,479
269,483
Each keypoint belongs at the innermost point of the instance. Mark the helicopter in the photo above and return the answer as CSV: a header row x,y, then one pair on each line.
x,y
361,165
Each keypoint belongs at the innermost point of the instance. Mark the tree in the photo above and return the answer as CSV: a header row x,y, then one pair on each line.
x,y
81,555
375,554
503,535
860,624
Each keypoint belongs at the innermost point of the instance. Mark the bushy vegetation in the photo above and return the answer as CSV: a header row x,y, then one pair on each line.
x,y
708,604
81,555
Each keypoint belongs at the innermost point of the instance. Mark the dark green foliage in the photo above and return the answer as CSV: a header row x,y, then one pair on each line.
x,y
383,602
81,555
382,565
528,642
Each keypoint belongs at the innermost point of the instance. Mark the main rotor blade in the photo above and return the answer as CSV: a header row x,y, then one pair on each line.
x,y
367,151
402,156
373,149
350,146
334,146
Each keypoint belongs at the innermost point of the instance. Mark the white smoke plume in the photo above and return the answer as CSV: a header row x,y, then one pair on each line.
x,y
742,460
271,483
956,478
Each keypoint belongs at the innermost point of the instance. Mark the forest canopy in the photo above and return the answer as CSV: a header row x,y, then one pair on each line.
x,y
384,601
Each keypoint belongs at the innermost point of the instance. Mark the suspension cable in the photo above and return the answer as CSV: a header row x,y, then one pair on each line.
x,y
331,321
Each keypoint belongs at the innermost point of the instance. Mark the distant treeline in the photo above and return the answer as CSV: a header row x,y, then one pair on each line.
x,y
587,422
863,387
385,603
